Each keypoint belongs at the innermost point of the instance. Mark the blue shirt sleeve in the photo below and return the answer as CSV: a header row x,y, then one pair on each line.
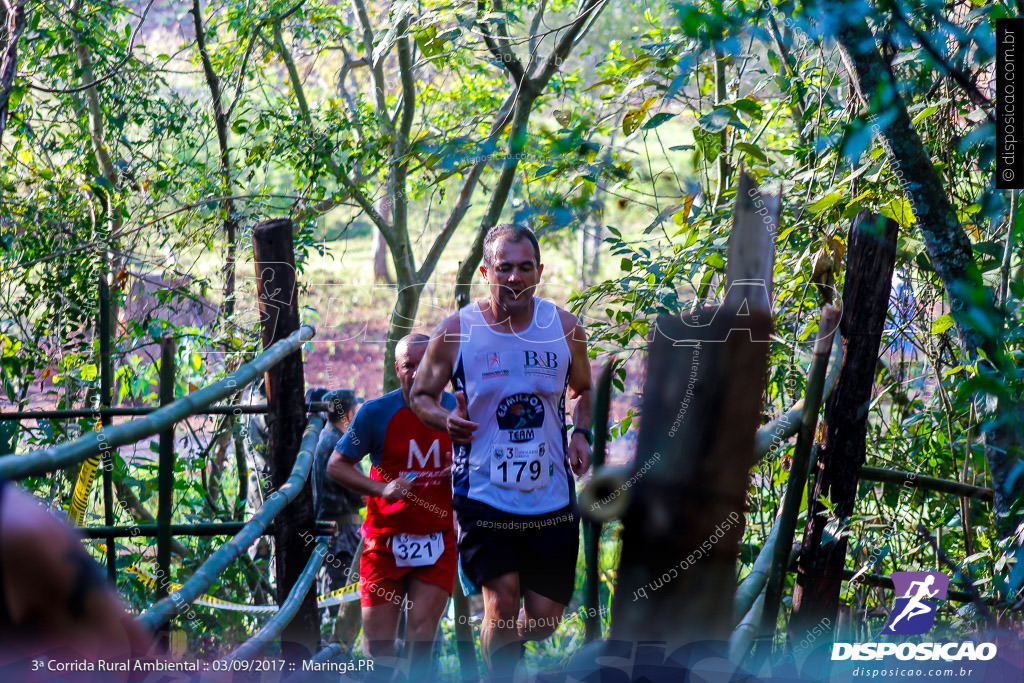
x,y
358,440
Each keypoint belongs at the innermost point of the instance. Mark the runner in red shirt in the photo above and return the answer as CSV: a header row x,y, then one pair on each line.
x,y
409,529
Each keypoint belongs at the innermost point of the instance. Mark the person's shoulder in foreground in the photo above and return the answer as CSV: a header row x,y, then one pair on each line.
x,y
57,597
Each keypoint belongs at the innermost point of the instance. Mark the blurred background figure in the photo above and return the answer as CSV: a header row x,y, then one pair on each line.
x,y
331,501
55,601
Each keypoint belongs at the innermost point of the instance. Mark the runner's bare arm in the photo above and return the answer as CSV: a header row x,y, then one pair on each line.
x,y
347,473
579,389
432,375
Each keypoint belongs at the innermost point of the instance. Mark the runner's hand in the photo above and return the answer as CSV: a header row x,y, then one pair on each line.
x,y
397,489
459,426
579,454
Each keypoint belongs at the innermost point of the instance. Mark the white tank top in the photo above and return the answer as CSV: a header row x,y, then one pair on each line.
x,y
515,389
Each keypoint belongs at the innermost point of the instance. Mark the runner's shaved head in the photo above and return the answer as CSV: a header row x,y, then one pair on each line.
x,y
410,340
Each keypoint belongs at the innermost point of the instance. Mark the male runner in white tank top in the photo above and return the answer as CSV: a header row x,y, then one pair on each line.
x,y
512,358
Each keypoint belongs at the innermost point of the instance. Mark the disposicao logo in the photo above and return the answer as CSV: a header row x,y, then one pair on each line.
x,y
913,613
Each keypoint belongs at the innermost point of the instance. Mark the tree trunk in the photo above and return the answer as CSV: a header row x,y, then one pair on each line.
x,y
403,319
869,266
380,258
596,237
948,246
517,141
379,251
581,252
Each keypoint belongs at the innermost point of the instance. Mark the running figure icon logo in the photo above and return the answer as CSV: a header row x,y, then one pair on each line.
x,y
913,612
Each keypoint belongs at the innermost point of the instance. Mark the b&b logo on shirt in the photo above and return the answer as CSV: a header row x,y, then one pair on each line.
x,y
540,363
520,414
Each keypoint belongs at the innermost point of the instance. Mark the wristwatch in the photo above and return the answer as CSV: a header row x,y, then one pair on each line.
x,y
586,434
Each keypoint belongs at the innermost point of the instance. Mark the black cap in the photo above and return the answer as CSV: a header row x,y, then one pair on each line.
x,y
316,394
341,402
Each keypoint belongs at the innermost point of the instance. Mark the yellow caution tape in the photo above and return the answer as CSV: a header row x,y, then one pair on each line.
x,y
346,594
83,487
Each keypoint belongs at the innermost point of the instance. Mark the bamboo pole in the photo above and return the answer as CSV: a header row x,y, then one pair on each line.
x,y
332,651
323,528
827,327
276,624
743,636
67,454
606,496
328,653
159,613
753,583
131,411
350,613
787,424
913,480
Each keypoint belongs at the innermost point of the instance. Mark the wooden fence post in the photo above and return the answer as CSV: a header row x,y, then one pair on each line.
x,y
869,266
274,256
165,480
701,409
106,400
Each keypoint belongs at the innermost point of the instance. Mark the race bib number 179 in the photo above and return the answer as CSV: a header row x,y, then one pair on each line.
x,y
523,468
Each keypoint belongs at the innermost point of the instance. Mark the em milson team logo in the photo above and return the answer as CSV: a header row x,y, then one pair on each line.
x,y
914,612
520,415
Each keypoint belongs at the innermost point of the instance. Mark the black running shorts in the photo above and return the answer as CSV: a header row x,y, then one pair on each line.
x,y
542,548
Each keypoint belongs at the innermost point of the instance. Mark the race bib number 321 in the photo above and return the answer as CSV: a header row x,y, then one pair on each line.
x,y
520,467
417,551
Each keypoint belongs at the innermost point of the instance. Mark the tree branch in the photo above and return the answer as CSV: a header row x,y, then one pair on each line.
x,y
538,17
565,45
501,121
220,119
501,49
405,267
958,76
107,76
9,59
339,173
517,141
241,71
376,70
